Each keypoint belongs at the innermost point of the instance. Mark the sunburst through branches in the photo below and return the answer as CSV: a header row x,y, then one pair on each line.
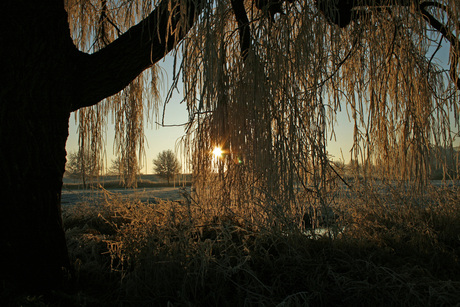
x,y
274,103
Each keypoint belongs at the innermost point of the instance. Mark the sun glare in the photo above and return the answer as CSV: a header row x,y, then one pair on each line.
x,y
217,152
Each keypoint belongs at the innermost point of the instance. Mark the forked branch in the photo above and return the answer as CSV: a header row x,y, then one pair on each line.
x,y
243,27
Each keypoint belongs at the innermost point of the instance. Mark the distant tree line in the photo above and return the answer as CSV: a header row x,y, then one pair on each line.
x,y
85,169
442,163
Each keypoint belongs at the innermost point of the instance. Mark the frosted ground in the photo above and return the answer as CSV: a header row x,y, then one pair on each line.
x,y
71,197
153,188
150,194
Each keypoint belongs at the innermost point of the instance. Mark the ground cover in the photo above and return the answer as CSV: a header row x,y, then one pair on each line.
x,y
390,249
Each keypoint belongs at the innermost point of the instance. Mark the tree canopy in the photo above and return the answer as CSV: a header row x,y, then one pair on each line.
x,y
266,79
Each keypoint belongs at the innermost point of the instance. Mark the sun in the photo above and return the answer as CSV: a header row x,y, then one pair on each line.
x,y
217,152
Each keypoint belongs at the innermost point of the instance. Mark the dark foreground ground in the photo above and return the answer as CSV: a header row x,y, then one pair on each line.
x,y
389,249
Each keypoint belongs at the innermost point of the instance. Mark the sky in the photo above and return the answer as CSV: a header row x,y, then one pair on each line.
x,y
159,138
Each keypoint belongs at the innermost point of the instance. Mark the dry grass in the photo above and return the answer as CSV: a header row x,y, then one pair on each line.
x,y
395,250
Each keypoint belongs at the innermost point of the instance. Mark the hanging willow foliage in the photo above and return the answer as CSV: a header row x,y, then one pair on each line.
x,y
94,25
270,98
274,112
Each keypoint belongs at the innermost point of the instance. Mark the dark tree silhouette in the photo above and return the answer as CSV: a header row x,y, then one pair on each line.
x,y
44,78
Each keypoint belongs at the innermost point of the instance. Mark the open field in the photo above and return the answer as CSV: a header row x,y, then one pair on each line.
x,y
114,182
150,188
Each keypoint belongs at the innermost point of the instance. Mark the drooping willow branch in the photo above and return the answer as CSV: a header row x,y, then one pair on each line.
x,y
104,17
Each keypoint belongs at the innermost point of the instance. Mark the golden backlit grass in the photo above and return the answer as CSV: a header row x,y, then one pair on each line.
x,y
394,250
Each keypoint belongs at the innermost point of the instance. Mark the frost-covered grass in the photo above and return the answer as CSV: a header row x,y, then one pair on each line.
x,y
389,248
394,250
72,197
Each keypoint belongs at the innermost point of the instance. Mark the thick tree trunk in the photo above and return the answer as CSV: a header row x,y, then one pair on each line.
x,y
43,78
32,238
34,114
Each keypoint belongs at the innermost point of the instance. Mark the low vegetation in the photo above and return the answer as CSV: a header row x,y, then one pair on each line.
x,y
385,248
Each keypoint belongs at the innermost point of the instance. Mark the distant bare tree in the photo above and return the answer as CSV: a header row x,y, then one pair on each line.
x,y
127,173
166,165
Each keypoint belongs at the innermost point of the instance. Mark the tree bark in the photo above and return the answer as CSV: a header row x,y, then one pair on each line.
x,y
43,79
34,114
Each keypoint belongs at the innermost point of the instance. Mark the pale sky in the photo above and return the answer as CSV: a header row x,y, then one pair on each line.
x,y
164,138
157,138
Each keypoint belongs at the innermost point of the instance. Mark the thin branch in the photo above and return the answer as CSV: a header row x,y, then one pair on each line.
x,y
170,93
171,125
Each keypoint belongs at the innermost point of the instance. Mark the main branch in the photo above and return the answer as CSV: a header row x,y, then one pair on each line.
x,y
111,69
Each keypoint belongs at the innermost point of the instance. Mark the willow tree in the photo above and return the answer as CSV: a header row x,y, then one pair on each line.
x,y
266,86
262,78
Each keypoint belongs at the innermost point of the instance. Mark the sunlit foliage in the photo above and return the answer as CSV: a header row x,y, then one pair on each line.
x,y
276,110
274,107
174,253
